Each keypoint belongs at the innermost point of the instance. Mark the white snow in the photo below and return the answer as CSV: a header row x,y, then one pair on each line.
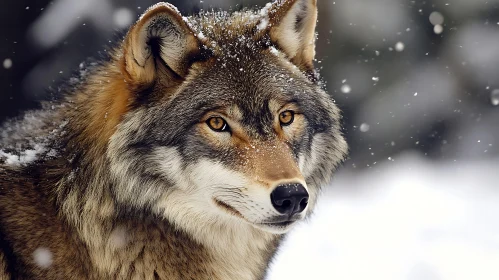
x,y
411,219
436,18
123,17
264,14
118,237
42,257
438,29
346,88
364,127
7,63
274,51
201,36
26,157
399,46
25,140
264,22
265,10
494,97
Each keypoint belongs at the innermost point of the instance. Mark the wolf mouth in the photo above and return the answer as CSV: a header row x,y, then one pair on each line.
x,y
233,211
228,208
278,224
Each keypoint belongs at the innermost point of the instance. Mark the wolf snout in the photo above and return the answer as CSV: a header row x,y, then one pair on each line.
x,y
290,198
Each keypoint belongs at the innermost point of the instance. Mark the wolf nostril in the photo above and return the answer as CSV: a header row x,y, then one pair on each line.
x,y
289,198
304,203
286,203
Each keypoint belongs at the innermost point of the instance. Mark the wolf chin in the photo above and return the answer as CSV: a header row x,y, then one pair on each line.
x,y
187,154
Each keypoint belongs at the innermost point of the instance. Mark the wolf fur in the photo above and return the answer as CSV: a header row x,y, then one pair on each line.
x,y
122,177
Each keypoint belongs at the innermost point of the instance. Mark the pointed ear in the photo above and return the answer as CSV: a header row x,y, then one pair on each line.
x,y
160,36
292,28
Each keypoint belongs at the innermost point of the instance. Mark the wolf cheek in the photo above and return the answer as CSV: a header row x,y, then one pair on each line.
x,y
266,191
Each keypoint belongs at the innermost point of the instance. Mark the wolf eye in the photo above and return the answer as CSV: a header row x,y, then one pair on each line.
x,y
217,124
286,117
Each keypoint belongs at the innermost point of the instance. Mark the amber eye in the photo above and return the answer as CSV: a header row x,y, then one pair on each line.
x,y
286,117
217,124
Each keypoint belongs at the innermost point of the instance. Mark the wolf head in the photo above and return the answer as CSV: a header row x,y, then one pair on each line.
x,y
226,123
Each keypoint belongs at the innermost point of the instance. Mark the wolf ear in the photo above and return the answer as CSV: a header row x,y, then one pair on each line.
x,y
160,35
292,28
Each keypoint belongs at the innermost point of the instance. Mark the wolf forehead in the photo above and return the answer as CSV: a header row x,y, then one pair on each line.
x,y
255,87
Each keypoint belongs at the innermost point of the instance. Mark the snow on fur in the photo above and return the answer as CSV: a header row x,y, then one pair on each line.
x,y
27,139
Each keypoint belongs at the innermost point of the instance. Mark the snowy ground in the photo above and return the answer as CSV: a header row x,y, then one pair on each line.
x,y
406,219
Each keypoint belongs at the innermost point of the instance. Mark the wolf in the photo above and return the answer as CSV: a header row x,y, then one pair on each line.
x,y
188,153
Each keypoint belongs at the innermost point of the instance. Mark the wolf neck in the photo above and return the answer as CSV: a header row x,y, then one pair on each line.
x,y
239,250
145,246
186,246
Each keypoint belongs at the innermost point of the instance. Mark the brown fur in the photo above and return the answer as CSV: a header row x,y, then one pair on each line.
x,y
26,229
3,267
107,108
272,165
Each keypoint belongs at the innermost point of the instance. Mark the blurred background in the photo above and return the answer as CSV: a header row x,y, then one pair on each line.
x,y
418,82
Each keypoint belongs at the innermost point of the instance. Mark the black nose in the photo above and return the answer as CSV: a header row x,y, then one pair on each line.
x,y
289,198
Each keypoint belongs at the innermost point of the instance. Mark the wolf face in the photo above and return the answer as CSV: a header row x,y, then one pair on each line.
x,y
227,123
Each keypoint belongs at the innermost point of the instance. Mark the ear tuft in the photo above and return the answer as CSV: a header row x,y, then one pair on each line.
x,y
161,34
292,28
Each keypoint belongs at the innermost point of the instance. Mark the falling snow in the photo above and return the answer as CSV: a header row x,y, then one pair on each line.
x,y
438,29
494,97
364,127
346,88
123,17
43,257
119,237
436,18
7,63
399,46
